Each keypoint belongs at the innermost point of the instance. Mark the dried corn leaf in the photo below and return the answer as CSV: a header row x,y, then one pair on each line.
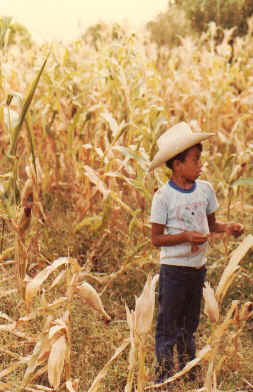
x,y
112,122
131,324
34,285
56,329
229,272
38,373
56,361
95,385
200,356
72,386
34,360
88,295
220,330
40,353
94,178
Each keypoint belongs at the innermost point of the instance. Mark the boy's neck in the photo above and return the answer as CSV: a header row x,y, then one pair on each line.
x,y
182,182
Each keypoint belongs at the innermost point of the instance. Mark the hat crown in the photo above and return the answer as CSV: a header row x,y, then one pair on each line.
x,y
177,132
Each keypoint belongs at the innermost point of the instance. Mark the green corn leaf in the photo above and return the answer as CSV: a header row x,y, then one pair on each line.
x,y
25,107
244,181
30,137
92,222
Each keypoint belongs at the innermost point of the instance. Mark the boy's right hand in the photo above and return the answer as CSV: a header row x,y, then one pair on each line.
x,y
195,237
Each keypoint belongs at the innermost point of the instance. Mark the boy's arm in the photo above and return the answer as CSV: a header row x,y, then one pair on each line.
x,y
161,239
236,229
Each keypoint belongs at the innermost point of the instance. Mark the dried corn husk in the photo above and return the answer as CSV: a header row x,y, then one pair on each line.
x,y
144,307
211,305
88,295
56,361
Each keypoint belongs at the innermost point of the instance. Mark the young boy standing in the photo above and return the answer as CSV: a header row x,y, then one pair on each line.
x,y
182,216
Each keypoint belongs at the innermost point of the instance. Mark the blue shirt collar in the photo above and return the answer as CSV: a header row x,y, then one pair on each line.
x,y
177,188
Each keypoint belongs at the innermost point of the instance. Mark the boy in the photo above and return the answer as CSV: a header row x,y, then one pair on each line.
x,y
182,215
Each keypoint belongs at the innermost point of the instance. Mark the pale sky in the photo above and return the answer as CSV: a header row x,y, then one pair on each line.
x,y
66,19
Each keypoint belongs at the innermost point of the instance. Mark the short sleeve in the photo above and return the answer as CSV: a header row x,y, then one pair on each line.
x,y
213,204
159,209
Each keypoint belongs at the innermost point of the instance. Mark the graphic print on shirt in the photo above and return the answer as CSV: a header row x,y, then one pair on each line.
x,y
192,218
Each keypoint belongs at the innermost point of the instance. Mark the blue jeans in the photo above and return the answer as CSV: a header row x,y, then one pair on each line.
x,y
180,294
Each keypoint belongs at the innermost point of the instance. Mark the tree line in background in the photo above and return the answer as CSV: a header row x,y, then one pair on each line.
x,y
13,33
182,18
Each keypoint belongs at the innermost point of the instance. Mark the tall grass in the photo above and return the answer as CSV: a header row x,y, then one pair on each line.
x,y
75,201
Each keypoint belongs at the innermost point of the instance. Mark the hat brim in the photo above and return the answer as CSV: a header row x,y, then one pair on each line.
x,y
167,152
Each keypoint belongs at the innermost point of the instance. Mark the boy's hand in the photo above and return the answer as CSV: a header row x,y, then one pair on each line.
x,y
195,237
235,229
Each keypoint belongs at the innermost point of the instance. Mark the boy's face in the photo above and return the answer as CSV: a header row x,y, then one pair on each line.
x,y
190,168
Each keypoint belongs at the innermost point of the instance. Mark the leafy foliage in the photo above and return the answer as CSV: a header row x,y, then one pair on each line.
x,y
190,17
13,33
169,26
226,14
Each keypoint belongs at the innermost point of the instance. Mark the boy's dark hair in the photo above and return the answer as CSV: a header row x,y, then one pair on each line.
x,y
182,155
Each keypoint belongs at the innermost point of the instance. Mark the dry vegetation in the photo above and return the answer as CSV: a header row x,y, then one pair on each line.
x,y
76,141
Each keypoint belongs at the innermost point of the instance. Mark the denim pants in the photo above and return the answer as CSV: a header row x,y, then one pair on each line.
x,y
180,294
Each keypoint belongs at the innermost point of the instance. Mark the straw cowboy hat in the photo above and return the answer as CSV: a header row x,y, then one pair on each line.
x,y
176,140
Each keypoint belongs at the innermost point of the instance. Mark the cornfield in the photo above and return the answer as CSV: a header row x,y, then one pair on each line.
x,y
78,128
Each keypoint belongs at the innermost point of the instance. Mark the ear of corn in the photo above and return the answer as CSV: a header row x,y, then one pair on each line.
x,y
88,295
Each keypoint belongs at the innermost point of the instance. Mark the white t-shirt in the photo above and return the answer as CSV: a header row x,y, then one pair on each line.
x,y
182,210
